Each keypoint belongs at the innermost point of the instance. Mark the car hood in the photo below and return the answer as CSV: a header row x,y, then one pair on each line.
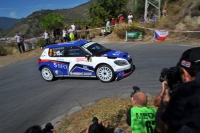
x,y
117,54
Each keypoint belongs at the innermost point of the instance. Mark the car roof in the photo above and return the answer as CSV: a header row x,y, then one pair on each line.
x,y
74,43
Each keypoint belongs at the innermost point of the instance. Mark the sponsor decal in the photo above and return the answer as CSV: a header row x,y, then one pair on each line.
x,y
81,60
81,73
60,59
185,63
117,53
60,66
56,72
85,67
87,44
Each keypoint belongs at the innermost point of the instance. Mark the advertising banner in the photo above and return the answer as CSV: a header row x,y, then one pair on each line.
x,y
133,35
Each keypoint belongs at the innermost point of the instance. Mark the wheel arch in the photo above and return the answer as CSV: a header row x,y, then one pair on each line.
x,y
100,65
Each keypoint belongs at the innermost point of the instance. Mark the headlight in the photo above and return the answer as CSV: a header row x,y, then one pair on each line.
x,y
121,62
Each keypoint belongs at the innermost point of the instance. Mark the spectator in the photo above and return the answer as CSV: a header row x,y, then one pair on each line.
x,y
49,128
103,31
78,31
179,108
87,35
96,127
58,33
140,117
19,42
142,20
64,34
46,37
34,129
71,34
153,19
121,18
107,24
73,27
164,12
53,34
130,18
113,22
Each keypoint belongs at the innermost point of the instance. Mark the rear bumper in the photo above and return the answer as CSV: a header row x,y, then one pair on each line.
x,y
125,73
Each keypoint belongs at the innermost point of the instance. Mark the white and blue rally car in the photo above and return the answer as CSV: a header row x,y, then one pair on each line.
x,y
84,59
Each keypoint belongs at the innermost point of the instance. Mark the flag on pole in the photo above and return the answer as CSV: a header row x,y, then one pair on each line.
x,y
160,35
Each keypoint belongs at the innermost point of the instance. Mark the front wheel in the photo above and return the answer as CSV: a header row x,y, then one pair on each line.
x,y
105,73
47,74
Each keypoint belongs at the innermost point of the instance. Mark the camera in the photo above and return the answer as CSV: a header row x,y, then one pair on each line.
x,y
172,75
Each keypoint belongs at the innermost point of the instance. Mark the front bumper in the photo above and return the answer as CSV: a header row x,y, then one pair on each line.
x,y
125,73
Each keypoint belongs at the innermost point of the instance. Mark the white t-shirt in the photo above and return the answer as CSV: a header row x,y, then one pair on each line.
x,y
46,35
130,17
73,27
64,33
17,37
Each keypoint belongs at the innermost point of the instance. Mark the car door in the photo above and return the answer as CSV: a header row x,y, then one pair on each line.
x,y
80,65
58,63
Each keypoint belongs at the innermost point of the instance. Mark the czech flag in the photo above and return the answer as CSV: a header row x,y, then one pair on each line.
x,y
160,35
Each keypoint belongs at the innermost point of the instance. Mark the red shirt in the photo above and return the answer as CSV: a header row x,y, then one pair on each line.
x,y
112,22
121,19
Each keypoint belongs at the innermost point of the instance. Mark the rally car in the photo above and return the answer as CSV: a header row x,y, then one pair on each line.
x,y
84,59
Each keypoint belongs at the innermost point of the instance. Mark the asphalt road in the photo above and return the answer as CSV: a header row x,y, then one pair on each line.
x,y
26,99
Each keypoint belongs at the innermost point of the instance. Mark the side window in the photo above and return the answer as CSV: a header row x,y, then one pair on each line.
x,y
75,51
57,52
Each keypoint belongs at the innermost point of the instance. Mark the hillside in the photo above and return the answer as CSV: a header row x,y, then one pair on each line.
x,y
30,26
6,23
182,15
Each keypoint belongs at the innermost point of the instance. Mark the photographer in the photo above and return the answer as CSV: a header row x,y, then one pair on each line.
x,y
179,108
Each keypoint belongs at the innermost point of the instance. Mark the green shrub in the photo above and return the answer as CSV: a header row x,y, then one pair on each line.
x,y
121,31
8,49
3,51
40,43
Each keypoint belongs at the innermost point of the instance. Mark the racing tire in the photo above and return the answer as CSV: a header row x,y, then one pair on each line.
x,y
47,74
105,73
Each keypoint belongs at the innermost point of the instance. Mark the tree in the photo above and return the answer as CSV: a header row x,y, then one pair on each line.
x,y
52,21
102,9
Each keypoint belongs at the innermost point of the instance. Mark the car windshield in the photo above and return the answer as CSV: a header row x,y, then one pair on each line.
x,y
97,49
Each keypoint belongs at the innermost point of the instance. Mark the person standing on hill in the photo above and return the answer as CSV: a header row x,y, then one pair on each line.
x,y
46,37
58,33
113,22
130,18
140,117
87,34
121,18
19,42
64,34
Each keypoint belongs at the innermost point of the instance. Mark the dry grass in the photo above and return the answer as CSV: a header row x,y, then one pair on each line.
x,y
110,111
16,56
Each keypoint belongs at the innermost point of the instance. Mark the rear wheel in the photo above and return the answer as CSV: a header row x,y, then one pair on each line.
x,y
47,74
105,73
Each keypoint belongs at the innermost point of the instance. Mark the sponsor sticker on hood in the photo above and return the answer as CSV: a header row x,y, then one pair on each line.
x,y
118,54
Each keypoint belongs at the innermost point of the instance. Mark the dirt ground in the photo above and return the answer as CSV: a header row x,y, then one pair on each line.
x,y
16,57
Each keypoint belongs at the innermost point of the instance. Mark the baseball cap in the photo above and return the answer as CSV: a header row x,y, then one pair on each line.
x,y
190,59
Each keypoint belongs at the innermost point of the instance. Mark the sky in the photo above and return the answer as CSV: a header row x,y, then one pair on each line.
x,y
23,8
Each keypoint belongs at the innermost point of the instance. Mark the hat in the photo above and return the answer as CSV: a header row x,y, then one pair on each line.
x,y
135,89
190,59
